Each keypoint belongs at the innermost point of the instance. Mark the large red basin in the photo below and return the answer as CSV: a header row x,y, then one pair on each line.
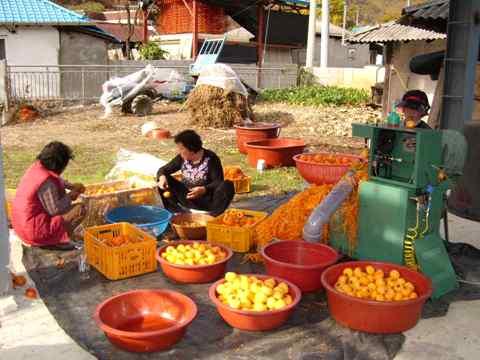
x,y
257,131
253,320
378,317
145,320
275,152
299,262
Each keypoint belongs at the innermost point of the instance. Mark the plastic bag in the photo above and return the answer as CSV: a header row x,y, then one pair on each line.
x,y
140,168
222,76
166,82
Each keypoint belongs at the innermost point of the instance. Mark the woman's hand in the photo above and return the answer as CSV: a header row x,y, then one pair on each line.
x,y
196,192
80,188
74,194
162,182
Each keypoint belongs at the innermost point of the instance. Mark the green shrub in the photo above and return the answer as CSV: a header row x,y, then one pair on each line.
x,y
151,51
317,95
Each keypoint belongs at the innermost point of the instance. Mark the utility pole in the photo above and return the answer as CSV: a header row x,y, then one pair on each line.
x,y
312,26
345,5
4,235
325,34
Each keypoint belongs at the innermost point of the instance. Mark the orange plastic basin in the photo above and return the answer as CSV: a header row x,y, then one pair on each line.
x,y
275,152
193,274
320,174
300,262
257,131
256,320
378,317
159,134
145,320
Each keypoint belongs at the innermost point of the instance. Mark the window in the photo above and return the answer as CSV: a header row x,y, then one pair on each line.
x,y
2,49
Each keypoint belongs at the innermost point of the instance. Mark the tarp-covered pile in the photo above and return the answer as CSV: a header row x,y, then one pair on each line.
x,y
219,100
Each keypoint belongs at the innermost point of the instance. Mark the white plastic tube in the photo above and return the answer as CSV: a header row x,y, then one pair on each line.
x,y
313,229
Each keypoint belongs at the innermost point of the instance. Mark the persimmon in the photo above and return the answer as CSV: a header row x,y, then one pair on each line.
x,y
18,280
31,293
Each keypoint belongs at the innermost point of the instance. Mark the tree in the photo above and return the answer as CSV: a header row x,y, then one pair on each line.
x,y
89,6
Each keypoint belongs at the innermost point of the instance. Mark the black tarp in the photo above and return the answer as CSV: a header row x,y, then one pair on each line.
x,y
309,334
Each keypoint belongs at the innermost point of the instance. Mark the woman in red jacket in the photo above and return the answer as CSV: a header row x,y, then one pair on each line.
x,y
42,211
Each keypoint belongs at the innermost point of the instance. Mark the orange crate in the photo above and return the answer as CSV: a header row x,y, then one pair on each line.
x,y
239,239
242,186
123,261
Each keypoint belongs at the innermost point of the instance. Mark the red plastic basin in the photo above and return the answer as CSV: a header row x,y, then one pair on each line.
x,y
256,320
145,320
199,274
275,152
256,131
159,134
378,317
299,262
320,174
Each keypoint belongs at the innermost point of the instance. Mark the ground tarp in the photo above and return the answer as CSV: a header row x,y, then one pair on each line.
x,y
309,334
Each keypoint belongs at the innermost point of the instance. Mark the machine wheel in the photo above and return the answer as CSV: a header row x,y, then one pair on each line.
x,y
142,105
127,107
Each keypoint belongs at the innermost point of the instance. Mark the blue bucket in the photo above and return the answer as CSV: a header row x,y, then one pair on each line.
x,y
151,219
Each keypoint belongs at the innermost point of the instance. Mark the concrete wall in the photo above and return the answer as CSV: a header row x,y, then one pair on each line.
x,y
32,45
179,46
82,49
350,56
274,56
363,78
401,79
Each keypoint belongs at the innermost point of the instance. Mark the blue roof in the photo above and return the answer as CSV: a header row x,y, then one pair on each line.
x,y
38,12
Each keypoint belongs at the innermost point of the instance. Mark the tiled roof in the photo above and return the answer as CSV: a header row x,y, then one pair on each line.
x,y
120,31
434,10
394,32
37,12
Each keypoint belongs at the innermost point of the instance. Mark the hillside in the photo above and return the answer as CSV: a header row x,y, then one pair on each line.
x,y
364,11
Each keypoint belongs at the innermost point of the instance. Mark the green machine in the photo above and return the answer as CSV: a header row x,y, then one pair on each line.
x,y
401,205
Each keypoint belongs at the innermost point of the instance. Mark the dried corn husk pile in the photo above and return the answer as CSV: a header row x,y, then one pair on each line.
x,y
211,106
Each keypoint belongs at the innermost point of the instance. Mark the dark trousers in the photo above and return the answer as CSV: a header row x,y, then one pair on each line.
x,y
215,201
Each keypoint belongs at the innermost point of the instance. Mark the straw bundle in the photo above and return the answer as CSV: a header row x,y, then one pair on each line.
x,y
211,106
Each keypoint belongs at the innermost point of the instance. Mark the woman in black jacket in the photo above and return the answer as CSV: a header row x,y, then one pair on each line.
x,y
202,186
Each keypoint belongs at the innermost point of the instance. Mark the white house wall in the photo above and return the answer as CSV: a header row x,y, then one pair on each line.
x,y
35,46
401,79
339,56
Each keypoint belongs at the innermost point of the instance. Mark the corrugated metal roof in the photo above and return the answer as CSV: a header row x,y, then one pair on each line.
x,y
394,32
37,12
433,10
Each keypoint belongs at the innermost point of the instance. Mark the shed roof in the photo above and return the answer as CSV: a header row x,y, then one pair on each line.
x,y
120,31
394,32
431,10
38,12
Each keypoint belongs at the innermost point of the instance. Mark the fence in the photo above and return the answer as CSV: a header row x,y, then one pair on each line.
x,y
83,83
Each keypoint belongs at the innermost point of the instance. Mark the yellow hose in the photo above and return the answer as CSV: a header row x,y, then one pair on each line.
x,y
409,257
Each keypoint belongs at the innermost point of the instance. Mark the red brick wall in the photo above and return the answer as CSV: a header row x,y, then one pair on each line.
x,y
175,18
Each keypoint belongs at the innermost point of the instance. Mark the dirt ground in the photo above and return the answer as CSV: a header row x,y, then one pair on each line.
x,y
96,140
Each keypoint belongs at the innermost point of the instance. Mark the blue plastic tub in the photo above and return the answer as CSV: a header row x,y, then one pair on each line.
x,y
151,219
